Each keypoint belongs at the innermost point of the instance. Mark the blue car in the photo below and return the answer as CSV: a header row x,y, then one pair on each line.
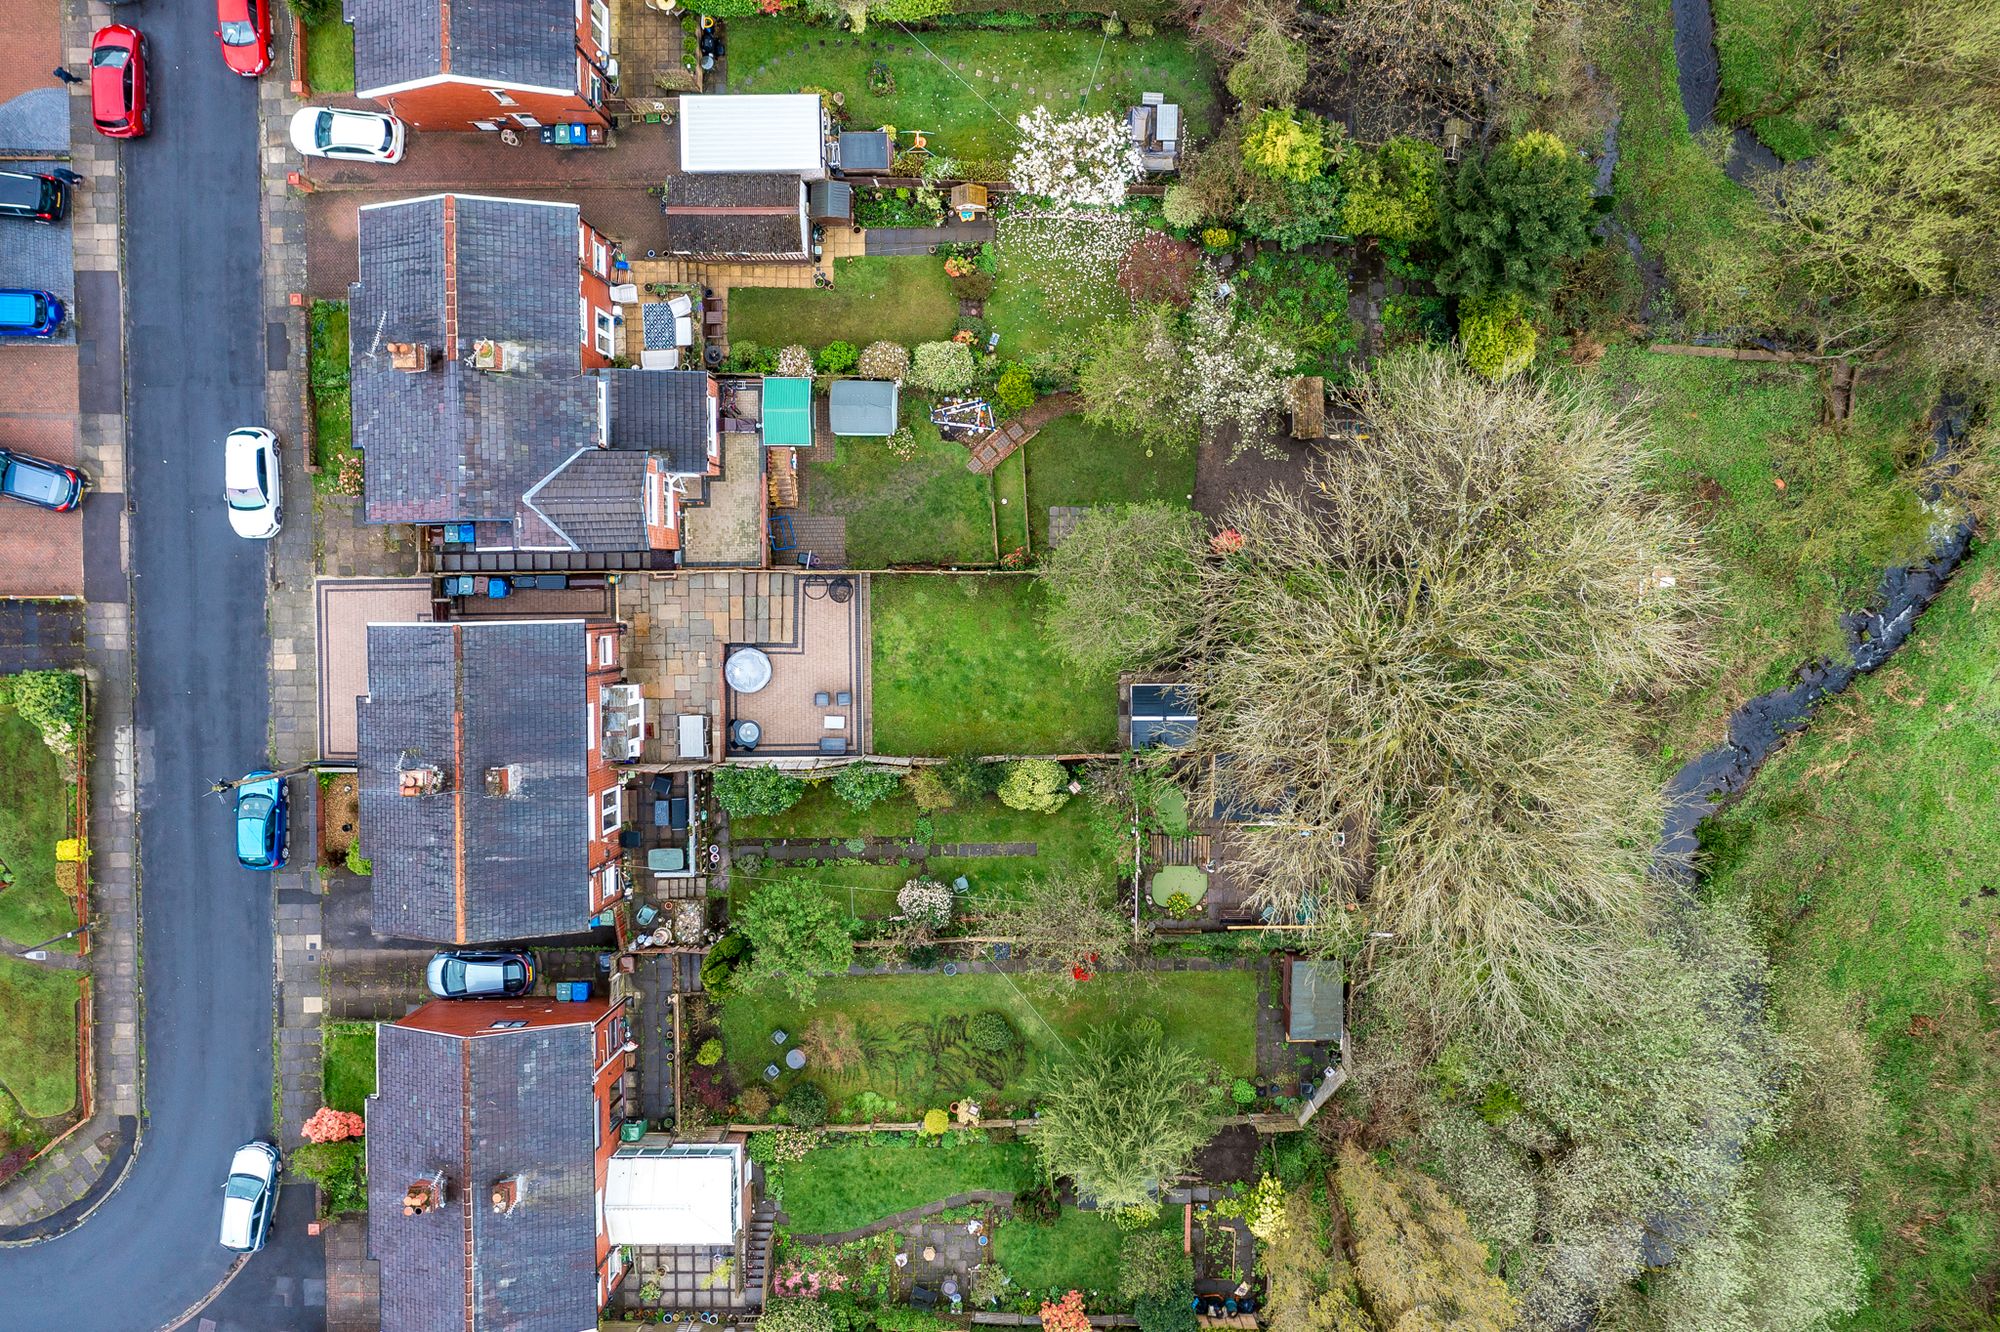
x,y
262,808
25,313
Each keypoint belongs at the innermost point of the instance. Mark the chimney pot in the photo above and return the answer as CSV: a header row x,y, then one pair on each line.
x,y
506,1193
422,1195
503,780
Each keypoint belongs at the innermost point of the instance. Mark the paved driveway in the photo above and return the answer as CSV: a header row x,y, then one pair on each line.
x,y
195,367
41,553
39,258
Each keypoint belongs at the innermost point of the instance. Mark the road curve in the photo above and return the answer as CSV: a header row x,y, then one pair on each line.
x,y
195,367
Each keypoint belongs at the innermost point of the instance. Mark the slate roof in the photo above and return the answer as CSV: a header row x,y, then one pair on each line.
x,y
866,150
451,443
519,43
499,693
481,1109
862,406
735,213
597,500
660,411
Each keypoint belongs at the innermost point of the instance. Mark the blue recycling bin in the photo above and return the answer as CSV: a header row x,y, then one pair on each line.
x,y
496,588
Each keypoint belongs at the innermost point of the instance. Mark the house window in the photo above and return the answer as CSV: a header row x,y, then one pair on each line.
x,y
600,25
607,649
583,317
510,1024
607,883
490,126
604,330
526,121
502,97
601,258
610,811
655,486
590,730
600,1211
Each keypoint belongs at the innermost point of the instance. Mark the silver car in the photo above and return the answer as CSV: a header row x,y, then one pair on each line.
x,y
249,1197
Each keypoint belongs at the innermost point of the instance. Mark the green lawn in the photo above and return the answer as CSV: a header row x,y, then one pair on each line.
x,y
35,799
961,664
1074,462
38,1036
911,1049
928,509
1867,851
1078,1251
1010,497
904,299
1791,560
965,90
330,57
1751,42
852,1181
347,1064
333,419
1055,282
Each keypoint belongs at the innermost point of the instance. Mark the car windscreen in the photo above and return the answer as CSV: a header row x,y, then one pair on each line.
x,y
323,131
242,1186
388,136
244,499
252,826
236,32
109,57
454,976
28,481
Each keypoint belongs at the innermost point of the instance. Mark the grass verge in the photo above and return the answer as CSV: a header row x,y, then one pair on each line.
x,y
35,799
853,1181
906,1046
1866,852
962,664
38,1037
902,299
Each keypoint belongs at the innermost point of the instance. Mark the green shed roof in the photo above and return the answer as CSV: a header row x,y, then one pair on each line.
x,y
787,413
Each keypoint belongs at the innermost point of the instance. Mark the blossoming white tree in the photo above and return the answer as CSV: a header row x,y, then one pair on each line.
x,y
1080,161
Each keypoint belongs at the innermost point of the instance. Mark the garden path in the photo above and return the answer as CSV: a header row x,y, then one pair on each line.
x,y
921,240
989,451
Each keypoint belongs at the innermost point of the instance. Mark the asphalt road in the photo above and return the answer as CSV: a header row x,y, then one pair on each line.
x,y
195,368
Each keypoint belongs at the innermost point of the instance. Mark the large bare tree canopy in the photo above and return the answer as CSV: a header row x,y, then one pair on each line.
x,y
1431,643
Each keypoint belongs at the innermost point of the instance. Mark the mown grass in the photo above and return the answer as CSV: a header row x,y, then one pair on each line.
x,y
347,1064
1010,500
964,88
330,57
1751,37
962,664
927,509
1074,462
1867,851
911,1051
38,1036
35,800
900,299
1792,558
1077,1251
852,1181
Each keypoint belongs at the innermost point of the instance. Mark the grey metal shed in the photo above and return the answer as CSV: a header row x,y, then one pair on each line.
x,y
862,407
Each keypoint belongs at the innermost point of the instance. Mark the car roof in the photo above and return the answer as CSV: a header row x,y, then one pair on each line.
x,y
357,129
17,306
239,462
20,187
32,477
236,1222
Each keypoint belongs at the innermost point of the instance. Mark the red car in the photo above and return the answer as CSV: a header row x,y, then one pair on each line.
x,y
118,83
245,29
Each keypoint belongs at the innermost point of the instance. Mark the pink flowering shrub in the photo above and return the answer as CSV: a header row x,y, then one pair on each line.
x,y
330,1125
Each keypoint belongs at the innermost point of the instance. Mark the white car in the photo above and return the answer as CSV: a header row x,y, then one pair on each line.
x,y
250,482
249,1197
358,136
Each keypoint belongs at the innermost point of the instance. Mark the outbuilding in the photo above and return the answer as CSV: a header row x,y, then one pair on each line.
x,y
754,133
660,1194
862,406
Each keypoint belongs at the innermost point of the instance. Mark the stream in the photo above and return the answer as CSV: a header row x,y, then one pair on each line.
x,y
1700,71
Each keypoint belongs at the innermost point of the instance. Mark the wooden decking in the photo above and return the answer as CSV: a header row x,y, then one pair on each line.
x,y
1165,850
990,450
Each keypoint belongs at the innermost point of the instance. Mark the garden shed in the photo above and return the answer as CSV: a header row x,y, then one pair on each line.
x,y
862,406
787,412
866,152
831,201
1315,1002
766,134
661,1193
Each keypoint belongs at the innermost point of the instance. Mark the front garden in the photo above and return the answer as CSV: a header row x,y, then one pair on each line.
x,y
338,461
961,664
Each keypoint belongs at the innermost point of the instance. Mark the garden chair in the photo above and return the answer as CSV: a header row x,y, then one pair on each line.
x,y
770,1072
821,699
923,1297
779,1037
843,699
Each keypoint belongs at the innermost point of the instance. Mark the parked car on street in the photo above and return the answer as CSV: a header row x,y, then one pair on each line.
x,y
263,821
249,1197
28,313
37,481
357,136
250,482
244,28
120,106
35,196
467,974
